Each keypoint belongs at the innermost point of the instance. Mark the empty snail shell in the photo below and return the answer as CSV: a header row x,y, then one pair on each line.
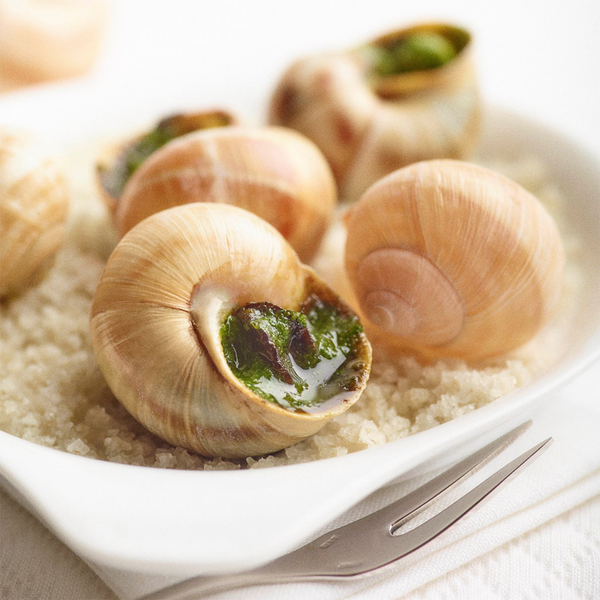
x,y
450,259
33,208
273,172
370,120
157,316
119,162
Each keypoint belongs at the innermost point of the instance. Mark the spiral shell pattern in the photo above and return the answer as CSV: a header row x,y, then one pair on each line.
x,y
34,201
450,259
155,325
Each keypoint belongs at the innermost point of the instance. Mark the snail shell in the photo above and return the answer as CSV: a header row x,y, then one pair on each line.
x,y
450,259
155,324
369,126
112,166
33,209
50,39
275,173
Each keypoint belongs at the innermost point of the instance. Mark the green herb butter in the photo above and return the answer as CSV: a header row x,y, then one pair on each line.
x,y
140,149
296,359
416,52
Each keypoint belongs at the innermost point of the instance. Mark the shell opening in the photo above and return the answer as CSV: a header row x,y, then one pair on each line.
x,y
403,62
415,52
300,361
405,294
115,176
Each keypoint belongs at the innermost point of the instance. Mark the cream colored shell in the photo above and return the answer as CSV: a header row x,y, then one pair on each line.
x,y
155,328
275,173
368,128
49,39
33,208
451,259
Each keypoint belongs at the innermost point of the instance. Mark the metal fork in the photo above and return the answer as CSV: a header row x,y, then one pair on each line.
x,y
371,542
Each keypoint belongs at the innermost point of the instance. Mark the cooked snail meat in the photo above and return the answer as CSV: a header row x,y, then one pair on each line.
x,y
297,359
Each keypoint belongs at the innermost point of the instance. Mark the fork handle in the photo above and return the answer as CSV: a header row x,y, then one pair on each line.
x,y
200,587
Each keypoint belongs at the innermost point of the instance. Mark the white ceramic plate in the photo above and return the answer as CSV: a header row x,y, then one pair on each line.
x,y
181,522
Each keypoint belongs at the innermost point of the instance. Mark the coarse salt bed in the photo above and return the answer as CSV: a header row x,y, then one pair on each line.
x,y
53,393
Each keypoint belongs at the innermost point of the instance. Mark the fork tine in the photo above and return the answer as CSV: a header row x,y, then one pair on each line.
x,y
419,498
386,547
417,537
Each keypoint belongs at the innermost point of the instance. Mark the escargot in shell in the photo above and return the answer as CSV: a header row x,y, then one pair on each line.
x,y
213,334
450,259
34,202
407,96
275,173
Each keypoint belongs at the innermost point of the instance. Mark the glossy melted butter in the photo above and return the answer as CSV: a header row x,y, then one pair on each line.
x,y
299,360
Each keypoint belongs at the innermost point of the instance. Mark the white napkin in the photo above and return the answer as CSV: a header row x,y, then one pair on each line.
x,y
565,476
34,564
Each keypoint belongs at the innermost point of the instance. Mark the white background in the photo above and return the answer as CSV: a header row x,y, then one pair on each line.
x,y
539,57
